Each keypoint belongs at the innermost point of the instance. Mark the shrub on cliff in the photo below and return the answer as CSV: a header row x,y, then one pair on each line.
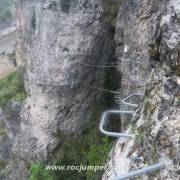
x,y
38,172
11,88
76,152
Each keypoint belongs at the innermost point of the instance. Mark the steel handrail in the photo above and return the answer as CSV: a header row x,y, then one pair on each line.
x,y
104,118
141,171
124,101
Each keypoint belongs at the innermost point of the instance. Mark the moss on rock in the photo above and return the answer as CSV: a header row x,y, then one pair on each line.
x,y
149,107
177,70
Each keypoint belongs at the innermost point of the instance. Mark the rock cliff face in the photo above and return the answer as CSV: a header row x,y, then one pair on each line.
x,y
56,39
59,37
9,128
157,125
132,37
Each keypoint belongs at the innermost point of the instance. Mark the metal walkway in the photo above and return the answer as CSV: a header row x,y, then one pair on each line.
x,y
103,123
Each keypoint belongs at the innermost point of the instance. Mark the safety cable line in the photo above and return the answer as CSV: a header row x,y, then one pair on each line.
x,y
94,87
107,90
99,66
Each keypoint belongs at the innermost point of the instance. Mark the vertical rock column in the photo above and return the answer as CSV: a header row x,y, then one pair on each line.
x,y
132,39
157,122
58,38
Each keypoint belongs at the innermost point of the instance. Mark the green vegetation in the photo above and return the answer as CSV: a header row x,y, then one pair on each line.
x,y
178,101
154,153
5,10
76,152
97,155
89,149
140,134
3,133
38,173
11,88
154,51
149,107
12,56
111,10
132,128
2,164
140,138
177,70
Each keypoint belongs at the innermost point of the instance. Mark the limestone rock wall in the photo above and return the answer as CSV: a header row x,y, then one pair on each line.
x,y
58,37
55,41
151,31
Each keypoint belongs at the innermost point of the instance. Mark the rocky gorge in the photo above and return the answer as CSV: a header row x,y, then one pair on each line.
x,y
63,50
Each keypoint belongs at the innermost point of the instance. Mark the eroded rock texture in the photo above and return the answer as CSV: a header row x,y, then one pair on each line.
x,y
153,31
59,37
132,37
9,129
56,39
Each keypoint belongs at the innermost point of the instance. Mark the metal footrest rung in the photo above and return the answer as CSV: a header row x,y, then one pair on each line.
x,y
104,118
141,171
124,101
